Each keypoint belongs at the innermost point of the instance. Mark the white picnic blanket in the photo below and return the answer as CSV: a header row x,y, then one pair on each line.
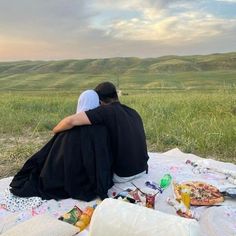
x,y
215,220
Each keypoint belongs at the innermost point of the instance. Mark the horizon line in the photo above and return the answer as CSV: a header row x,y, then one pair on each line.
x,y
102,58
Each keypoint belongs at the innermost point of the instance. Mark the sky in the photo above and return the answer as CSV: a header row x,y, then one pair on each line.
x,y
79,29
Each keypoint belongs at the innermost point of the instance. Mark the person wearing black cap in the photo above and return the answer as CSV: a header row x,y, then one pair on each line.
x,y
125,128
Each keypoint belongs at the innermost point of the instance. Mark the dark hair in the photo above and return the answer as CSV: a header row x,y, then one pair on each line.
x,y
107,92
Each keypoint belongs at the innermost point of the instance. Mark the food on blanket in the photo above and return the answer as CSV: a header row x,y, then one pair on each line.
x,y
201,194
89,211
186,214
81,225
85,218
72,216
181,209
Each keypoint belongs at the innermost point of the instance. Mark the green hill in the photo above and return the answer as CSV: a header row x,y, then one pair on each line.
x,y
169,72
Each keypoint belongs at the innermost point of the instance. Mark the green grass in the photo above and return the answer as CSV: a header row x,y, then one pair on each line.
x,y
204,124
198,122
204,80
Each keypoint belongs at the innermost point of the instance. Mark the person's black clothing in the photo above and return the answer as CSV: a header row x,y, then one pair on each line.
x,y
75,163
128,139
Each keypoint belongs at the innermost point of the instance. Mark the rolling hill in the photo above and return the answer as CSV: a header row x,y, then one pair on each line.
x,y
169,72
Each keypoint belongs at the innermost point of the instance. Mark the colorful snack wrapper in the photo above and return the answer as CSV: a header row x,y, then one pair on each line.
x,y
72,216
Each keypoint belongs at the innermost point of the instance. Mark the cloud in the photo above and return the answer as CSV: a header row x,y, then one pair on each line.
x,y
166,28
57,29
134,4
229,1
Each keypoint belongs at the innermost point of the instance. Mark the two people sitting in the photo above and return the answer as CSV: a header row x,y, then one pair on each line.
x,y
90,149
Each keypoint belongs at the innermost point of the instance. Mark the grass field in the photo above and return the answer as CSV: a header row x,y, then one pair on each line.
x,y
201,122
187,102
198,80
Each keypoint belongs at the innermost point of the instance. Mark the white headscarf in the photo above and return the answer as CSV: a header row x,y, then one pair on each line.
x,y
87,100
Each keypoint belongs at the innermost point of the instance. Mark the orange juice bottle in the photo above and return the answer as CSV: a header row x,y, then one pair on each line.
x,y
185,196
85,218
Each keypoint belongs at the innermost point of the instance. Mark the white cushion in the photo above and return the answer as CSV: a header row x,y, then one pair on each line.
x,y
118,218
42,225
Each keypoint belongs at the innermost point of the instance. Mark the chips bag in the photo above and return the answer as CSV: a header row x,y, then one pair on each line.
x,y
72,216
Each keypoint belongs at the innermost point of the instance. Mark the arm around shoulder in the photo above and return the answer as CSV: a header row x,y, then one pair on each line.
x,y
70,121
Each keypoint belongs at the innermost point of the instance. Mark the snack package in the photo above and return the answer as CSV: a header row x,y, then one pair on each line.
x,y
72,216
85,218
89,210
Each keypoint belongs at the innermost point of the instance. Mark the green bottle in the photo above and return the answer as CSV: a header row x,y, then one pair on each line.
x,y
165,181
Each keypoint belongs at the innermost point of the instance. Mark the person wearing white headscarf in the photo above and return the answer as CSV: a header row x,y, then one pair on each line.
x,y
76,163
88,100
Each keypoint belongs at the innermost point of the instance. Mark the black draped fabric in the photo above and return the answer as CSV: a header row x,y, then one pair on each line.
x,y
76,163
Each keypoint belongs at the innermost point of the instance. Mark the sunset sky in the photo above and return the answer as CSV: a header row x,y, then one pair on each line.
x,y
78,29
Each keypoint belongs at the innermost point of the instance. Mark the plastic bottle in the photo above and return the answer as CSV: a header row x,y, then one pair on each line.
x,y
165,181
185,197
85,218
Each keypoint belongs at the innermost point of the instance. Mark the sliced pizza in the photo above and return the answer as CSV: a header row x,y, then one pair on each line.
x,y
201,194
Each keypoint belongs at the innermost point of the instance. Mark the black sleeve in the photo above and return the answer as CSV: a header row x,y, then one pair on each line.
x,y
97,115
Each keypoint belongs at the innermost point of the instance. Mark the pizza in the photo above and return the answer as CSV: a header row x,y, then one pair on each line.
x,y
201,194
